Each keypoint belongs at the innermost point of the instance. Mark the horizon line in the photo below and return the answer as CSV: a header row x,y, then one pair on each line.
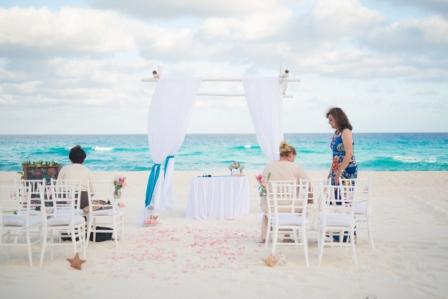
x,y
217,133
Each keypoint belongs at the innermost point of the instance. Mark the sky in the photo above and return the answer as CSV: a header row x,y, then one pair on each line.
x,y
76,67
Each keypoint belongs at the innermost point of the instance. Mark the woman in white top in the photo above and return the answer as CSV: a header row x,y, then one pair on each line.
x,y
282,170
78,172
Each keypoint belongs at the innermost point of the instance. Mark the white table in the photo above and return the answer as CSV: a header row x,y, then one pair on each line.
x,y
221,197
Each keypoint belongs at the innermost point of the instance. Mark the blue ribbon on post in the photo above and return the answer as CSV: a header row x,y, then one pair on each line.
x,y
152,181
165,167
153,178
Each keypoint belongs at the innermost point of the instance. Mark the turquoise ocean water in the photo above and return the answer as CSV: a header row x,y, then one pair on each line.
x,y
374,151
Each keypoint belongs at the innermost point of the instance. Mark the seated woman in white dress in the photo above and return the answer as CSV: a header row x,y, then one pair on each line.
x,y
282,170
78,172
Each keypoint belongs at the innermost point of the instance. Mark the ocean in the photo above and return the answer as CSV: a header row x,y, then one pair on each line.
x,y
373,151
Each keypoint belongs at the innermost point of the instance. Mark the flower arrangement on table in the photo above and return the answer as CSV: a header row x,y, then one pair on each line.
x,y
40,169
262,184
236,168
119,184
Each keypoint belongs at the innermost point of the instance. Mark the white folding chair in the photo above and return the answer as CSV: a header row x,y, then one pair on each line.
x,y
337,220
314,197
269,207
63,219
20,219
362,207
287,214
314,189
105,216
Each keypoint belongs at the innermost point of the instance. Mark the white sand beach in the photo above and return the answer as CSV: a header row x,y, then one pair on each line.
x,y
183,258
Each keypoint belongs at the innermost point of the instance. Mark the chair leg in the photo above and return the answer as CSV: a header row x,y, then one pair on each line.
x,y
73,235
52,240
8,249
28,242
296,233
274,240
321,246
268,230
305,246
369,232
84,243
43,247
352,241
122,228
89,231
115,231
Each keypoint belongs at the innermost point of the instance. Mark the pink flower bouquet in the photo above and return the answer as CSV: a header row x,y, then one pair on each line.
x,y
262,184
119,183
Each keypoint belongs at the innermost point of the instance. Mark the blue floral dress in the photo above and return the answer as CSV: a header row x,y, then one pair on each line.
x,y
337,146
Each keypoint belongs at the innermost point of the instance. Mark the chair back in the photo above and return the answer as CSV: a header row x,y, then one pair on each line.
x,y
10,202
34,189
315,189
64,197
286,197
16,200
363,187
103,195
338,198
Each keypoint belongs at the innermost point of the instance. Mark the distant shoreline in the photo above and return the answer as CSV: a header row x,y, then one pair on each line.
x,y
205,134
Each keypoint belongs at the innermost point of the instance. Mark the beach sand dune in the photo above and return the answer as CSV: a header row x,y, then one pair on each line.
x,y
183,258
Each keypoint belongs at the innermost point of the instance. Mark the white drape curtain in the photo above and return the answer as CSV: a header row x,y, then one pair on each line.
x,y
264,99
167,124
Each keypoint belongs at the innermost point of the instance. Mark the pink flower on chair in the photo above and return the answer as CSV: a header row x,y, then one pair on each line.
x,y
262,184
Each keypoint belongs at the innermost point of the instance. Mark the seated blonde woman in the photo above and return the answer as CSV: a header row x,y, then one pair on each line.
x,y
282,170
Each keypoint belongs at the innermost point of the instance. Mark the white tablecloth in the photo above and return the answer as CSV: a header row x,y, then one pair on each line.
x,y
225,197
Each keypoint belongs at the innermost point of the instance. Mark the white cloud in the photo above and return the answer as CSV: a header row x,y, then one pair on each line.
x,y
435,6
426,36
85,32
191,8
343,17
436,30
252,27
87,59
67,30
6,75
354,63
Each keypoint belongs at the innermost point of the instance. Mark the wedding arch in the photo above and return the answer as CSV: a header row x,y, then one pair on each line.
x,y
168,117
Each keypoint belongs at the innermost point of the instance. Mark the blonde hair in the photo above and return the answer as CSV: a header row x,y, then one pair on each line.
x,y
286,149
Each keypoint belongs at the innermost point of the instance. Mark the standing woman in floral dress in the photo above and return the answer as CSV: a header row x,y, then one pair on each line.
x,y
344,164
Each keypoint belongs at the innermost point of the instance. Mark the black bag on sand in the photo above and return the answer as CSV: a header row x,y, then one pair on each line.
x,y
101,236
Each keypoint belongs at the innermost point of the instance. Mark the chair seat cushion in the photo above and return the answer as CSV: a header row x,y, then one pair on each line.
x,y
62,211
336,219
59,220
19,220
289,219
106,212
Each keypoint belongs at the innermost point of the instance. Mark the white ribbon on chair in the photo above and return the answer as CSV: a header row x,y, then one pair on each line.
x,y
265,102
167,124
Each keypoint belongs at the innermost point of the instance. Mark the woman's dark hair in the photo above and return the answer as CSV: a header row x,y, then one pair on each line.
x,y
340,118
77,155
